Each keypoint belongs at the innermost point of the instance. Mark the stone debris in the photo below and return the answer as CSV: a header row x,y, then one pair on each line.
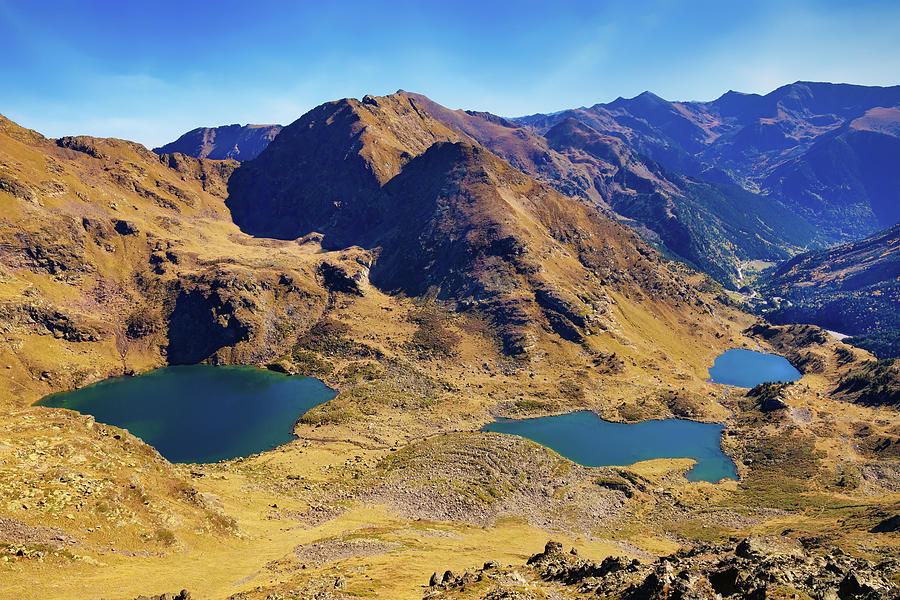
x,y
756,568
327,551
182,595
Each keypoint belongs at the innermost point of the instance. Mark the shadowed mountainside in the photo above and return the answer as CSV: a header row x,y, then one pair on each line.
x,y
450,220
853,288
325,171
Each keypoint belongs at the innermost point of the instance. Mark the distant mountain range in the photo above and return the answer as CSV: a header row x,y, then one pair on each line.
x,y
829,152
228,141
714,184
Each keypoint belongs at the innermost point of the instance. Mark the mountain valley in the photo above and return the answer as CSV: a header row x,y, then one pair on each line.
x,y
440,269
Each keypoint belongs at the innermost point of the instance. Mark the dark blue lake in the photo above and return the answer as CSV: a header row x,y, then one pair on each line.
x,y
746,368
201,413
589,440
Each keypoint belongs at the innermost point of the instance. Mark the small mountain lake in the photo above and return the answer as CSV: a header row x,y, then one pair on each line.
x,y
589,440
747,368
201,413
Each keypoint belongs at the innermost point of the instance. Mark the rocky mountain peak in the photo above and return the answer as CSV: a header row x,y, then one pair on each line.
x,y
225,142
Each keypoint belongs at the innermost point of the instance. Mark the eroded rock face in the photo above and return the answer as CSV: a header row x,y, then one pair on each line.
x,y
81,143
236,315
755,568
347,277
202,323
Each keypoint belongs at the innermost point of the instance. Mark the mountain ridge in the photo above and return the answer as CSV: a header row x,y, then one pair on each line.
x,y
813,176
463,192
700,222
853,288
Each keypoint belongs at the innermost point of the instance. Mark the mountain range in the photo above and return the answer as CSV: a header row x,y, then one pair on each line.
x,y
715,184
826,151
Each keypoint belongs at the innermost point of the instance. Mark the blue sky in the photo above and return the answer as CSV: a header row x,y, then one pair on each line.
x,y
150,70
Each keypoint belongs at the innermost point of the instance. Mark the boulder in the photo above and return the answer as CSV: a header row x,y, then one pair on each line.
x,y
888,525
774,403
758,548
346,278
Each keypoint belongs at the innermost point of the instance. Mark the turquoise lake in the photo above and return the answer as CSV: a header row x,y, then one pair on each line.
x,y
201,413
587,439
746,368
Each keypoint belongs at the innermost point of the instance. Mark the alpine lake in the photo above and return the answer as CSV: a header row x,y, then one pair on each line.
x,y
202,413
585,438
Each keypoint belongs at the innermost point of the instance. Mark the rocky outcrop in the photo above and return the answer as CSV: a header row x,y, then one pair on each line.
x,y
802,345
754,568
182,595
81,143
213,174
888,525
346,277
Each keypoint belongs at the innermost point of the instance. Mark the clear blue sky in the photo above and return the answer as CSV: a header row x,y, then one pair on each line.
x,y
150,70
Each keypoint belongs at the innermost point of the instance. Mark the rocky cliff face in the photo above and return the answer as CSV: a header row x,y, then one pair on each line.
x,y
225,142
